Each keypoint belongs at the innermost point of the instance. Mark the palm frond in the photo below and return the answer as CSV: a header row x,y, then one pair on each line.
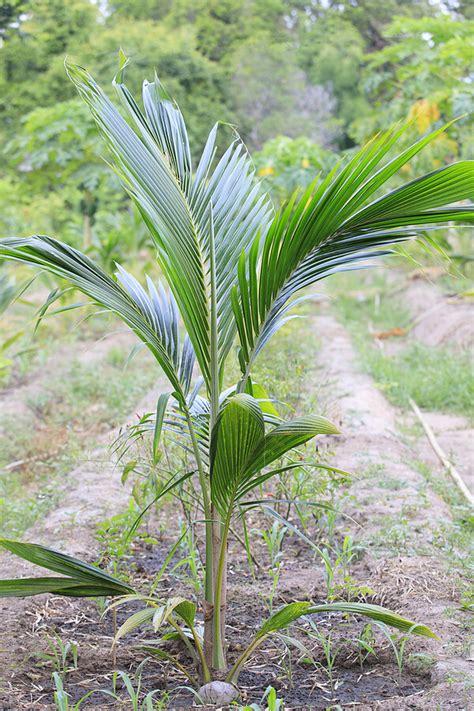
x,y
153,316
241,449
240,429
153,160
332,229
78,579
288,614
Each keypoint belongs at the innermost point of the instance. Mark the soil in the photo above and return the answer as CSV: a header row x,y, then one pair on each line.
x,y
401,567
439,318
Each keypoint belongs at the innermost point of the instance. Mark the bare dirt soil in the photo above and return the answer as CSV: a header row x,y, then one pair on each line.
x,y
418,585
439,318
395,514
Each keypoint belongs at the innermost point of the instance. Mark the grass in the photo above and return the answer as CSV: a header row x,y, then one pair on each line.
x,y
287,364
63,419
435,378
452,539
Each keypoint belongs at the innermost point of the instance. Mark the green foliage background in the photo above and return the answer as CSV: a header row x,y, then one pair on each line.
x,y
302,81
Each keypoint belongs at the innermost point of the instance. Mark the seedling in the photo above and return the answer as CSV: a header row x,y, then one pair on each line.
x,y
397,643
62,655
273,703
235,268
365,644
330,652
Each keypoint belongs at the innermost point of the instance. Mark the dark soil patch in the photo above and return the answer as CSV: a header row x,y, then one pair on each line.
x,y
302,683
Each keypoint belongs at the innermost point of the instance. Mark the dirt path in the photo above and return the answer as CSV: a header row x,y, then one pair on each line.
x,y
438,318
401,516
15,399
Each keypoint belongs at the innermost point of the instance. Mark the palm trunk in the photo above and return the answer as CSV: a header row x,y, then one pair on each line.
x,y
214,625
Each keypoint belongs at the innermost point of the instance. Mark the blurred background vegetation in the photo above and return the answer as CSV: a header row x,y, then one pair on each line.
x,y
303,82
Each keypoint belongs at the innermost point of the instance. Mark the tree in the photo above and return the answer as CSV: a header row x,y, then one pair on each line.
x,y
336,65
58,150
422,74
234,268
31,59
288,164
278,99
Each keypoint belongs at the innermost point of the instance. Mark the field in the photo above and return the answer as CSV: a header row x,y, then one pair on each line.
x,y
236,355
397,532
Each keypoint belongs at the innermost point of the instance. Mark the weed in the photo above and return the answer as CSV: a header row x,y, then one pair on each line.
x,y
61,655
392,484
397,643
329,651
190,561
268,702
420,663
365,644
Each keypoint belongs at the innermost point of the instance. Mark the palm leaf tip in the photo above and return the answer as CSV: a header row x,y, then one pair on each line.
x,y
294,610
77,578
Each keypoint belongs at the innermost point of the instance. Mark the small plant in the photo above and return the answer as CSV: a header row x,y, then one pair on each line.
x,y
365,644
397,643
268,702
330,652
62,655
61,697
134,693
115,543
273,538
136,701
235,267
190,560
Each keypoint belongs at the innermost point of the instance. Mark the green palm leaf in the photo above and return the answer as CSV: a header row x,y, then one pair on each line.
x,y
239,431
276,443
294,610
331,229
154,162
241,449
153,316
81,579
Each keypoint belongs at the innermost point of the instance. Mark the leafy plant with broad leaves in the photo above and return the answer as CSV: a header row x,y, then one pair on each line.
x,y
235,268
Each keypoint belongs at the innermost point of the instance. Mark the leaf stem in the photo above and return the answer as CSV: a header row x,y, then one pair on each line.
x,y
218,651
207,508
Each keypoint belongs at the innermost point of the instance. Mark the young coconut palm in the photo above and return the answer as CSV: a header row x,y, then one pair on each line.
x,y
233,266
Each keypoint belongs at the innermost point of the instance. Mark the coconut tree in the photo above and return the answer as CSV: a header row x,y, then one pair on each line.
x,y
234,269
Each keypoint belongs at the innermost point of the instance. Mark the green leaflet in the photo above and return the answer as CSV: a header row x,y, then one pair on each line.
x,y
240,447
294,610
238,432
160,415
153,158
136,620
289,613
82,579
376,612
331,228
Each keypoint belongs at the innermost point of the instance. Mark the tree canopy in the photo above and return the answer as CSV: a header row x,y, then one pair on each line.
x,y
325,72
